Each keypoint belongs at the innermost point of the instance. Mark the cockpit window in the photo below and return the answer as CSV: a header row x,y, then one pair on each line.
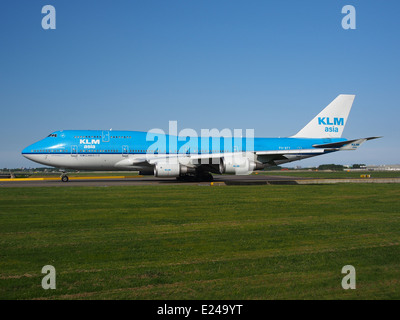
x,y
53,135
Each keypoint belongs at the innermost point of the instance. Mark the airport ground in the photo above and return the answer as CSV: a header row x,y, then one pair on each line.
x,y
168,241
129,178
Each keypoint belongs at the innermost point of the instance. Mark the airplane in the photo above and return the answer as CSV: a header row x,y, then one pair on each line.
x,y
111,150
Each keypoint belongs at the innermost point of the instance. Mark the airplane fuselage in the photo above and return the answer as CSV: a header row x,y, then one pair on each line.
x,y
103,150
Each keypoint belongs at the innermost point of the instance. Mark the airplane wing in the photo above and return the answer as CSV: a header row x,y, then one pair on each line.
x,y
201,159
295,151
272,157
277,157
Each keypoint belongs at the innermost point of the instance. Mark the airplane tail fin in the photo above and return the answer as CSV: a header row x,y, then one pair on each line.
x,y
330,122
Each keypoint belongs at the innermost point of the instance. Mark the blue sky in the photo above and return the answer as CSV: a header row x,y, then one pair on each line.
x,y
265,65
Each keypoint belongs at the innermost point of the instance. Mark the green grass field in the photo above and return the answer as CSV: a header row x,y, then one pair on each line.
x,y
201,242
333,174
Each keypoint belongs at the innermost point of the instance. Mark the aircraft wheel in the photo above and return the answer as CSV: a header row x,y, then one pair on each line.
x,y
184,178
64,179
206,177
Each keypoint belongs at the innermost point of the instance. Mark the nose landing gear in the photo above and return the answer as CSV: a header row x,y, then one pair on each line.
x,y
64,178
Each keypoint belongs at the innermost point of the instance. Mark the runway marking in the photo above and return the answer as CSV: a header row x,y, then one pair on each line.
x,y
217,183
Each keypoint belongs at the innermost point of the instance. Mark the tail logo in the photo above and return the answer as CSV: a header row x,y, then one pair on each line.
x,y
327,122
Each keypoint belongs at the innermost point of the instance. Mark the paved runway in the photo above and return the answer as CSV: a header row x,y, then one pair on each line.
x,y
149,180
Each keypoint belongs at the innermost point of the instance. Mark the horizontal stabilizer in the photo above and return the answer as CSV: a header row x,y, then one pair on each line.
x,y
344,145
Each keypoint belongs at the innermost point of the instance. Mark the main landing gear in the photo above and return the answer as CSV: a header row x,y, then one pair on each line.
x,y
204,176
64,178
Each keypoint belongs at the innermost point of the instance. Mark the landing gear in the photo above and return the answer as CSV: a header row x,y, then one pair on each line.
x,y
64,178
206,176
203,176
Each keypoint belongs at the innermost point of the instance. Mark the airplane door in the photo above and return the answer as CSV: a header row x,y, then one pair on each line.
x,y
125,151
106,136
74,151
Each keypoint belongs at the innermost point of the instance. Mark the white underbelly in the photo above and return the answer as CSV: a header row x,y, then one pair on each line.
x,y
81,161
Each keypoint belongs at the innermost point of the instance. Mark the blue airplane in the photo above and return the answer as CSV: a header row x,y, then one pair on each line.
x,y
185,158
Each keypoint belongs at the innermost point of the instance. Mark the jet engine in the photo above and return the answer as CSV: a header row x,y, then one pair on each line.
x,y
168,170
239,165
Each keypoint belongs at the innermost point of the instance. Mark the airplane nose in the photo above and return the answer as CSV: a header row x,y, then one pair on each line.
x,y
31,153
27,156
27,152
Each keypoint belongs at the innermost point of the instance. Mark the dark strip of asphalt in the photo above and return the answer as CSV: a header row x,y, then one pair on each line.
x,y
148,180
218,180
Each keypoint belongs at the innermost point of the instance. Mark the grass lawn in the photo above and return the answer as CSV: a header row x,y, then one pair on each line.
x,y
201,242
333,174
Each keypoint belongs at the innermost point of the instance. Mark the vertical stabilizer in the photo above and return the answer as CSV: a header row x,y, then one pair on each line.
x,y
330,122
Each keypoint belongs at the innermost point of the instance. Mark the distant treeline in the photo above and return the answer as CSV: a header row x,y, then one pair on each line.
x,y
339,167
333,167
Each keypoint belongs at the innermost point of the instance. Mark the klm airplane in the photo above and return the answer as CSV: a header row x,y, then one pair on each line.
x,y
171,156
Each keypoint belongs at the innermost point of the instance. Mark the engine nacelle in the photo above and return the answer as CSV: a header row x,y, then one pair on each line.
x,y
169,170
239,165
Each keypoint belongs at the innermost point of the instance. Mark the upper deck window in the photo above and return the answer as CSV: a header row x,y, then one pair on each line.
x,y
53,135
